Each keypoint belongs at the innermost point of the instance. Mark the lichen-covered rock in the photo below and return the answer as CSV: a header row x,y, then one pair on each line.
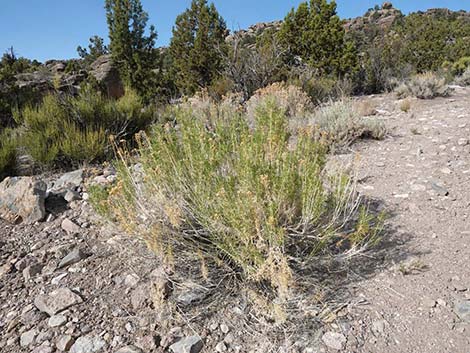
x,y
22,200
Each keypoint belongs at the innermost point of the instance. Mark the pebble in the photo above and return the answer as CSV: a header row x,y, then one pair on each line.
x,y
64,343
56,321
27,338
88,344
334,340
69,226
224,328
129,349
191,344
57,301
462,309
429,303
221,347
76,255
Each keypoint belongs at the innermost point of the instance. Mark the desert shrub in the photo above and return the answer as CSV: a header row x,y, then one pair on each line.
x,y
424,86
239,194
70,130
464,79
8,147
462,65
319,88
294,101
339,124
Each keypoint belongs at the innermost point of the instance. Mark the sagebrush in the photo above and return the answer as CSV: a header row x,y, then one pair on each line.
x,y
424,86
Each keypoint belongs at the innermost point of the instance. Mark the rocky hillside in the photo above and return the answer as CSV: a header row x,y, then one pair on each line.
x,y
70,283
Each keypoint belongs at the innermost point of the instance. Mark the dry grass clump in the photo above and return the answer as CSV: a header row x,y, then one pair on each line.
x,y
366,108
240,195
424,86
405,105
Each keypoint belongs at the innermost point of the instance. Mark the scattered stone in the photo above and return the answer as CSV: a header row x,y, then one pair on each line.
x,y
72,195
22,200
70,227
27,338
68,181
378,327
446,171
148,343
334,340
441,302
429,303
56,280
463,142
44,348
56,321
87,344
224,328
140,296
5,269
402,196
44,336
57,301
131,280
229,339
191,344
221,347
462,309
31,271
191,295
76,255
441,191
129,349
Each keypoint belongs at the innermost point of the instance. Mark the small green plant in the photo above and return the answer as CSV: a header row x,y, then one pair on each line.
x,y
424,86
71,130
8,147
462,65
238,192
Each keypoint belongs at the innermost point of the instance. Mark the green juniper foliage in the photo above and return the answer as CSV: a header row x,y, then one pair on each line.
x,y
95,49
133,52
315,33
197,46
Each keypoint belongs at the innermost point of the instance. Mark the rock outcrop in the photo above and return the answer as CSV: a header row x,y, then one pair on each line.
x,y
22,200
107,74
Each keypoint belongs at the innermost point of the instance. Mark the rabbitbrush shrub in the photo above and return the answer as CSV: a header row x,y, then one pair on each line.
x,y
70,130
8,147
424,86
245,195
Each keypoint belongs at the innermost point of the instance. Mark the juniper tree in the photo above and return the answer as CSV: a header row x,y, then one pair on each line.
x,y
95,49
198,41
133,52
315,33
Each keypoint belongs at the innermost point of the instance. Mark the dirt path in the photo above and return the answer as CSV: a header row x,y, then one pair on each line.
x,y
428,150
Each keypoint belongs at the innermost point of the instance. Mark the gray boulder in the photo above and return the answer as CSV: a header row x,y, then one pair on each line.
x,y
22,200
107,74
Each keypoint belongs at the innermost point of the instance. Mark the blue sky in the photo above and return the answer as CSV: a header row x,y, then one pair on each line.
x,y
46,29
